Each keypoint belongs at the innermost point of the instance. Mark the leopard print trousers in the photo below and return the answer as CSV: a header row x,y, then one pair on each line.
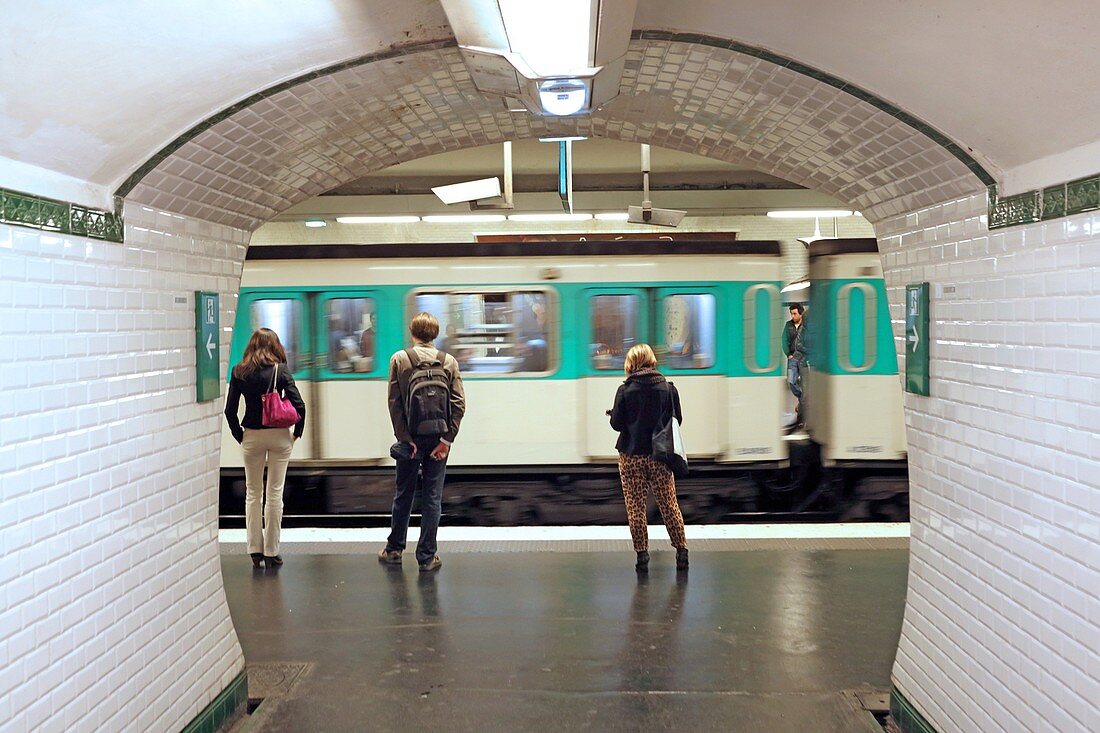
x,y
639,473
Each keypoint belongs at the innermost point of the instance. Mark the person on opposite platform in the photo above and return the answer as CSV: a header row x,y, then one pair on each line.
x,y
641,406
263,369
427,402
795,349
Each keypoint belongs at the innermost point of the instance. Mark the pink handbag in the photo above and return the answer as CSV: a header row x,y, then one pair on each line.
x,y
278,411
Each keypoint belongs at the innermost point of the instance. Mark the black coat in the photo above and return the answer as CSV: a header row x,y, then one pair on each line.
x,y
252,388
640,406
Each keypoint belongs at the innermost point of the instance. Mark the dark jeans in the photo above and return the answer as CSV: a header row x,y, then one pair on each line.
x,y
431,500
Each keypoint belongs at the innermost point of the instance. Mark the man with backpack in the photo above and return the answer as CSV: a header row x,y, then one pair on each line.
x,y
426,402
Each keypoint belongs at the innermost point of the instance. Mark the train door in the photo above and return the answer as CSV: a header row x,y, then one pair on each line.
x,y
612,321
756,390
287,314
687,321
351,385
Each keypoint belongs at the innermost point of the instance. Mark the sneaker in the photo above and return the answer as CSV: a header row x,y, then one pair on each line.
x,y
681,558
434,564
642,565
389,557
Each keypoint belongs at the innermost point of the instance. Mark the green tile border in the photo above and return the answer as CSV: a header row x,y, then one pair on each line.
x,y
38,212
713,41
907,717
225,708
1053,202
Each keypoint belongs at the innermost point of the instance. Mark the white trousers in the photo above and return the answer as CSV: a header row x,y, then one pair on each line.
x,y
262,520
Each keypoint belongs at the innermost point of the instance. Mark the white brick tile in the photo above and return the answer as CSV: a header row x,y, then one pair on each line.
x,y
85,397
996,461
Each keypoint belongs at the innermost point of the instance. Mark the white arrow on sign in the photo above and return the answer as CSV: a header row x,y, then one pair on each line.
x,y
916,338
210,345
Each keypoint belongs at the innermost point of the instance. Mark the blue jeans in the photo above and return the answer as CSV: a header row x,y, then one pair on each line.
x,y
431,500
795,369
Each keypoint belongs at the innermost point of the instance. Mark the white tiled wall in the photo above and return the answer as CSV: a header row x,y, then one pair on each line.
x,y
1002,624
112,612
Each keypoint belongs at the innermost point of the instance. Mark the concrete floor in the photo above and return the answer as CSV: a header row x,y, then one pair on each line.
x,y
744,641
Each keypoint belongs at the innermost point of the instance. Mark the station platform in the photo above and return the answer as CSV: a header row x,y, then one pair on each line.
x,y
551,629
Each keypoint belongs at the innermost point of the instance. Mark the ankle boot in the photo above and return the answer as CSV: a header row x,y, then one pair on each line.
x,y
642,565
681,558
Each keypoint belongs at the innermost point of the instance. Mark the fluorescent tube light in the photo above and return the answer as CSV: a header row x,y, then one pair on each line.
x,y
565,139
549,217
809,213
613,216
315,223
402,219
463,218
483,188
553,41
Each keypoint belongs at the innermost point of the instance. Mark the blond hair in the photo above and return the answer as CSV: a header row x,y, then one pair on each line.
x,y
640,356
424,327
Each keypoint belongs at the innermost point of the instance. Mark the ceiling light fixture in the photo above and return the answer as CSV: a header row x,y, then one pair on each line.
x,y
463,218
800,284
563,60
550,217
482,188
563,139
315,223
809,213
381,219
612,216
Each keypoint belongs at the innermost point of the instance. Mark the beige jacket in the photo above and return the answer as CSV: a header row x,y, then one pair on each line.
x,y
401,370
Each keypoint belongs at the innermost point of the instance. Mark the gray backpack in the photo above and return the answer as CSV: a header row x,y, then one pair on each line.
x,y
428,404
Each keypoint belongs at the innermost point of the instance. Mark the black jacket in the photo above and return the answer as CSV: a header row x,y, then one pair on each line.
x,y
252,388
640,406
793,340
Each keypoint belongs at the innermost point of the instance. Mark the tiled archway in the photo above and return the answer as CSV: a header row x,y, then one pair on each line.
x,y
301,139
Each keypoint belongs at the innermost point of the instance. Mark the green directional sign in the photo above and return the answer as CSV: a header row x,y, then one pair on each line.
x,y
207,352
916,338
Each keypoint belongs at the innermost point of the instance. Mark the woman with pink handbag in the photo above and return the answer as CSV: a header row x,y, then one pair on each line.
x,y
265,437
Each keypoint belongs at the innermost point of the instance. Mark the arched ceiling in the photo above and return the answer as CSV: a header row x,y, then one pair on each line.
x,y
323,132
95,89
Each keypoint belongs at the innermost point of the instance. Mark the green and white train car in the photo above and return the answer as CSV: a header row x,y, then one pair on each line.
x,y
540,331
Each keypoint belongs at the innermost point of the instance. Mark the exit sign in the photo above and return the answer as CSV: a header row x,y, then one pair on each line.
x,y
207,351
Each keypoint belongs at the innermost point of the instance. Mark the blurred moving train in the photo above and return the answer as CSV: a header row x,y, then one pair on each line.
x,y
540,332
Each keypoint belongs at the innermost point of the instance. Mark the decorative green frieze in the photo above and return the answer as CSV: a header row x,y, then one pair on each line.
x,y
908,719
225,708
24,209
1053,202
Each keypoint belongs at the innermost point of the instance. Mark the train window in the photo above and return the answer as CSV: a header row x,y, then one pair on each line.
x,y
351,334
688,333
493,331
284,317
614,329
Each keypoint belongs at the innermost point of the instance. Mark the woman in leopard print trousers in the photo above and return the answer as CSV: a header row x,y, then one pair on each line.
x,y
643,402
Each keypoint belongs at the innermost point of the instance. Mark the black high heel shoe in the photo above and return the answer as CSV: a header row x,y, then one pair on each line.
x,y
273,561
642,565
256,558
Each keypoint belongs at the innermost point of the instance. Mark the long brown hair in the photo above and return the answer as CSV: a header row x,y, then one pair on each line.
x,y
263,350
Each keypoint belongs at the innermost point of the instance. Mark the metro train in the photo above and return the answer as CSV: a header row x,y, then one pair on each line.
x,y
540,331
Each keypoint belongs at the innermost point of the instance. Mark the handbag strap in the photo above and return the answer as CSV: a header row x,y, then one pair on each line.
x,y
274,378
